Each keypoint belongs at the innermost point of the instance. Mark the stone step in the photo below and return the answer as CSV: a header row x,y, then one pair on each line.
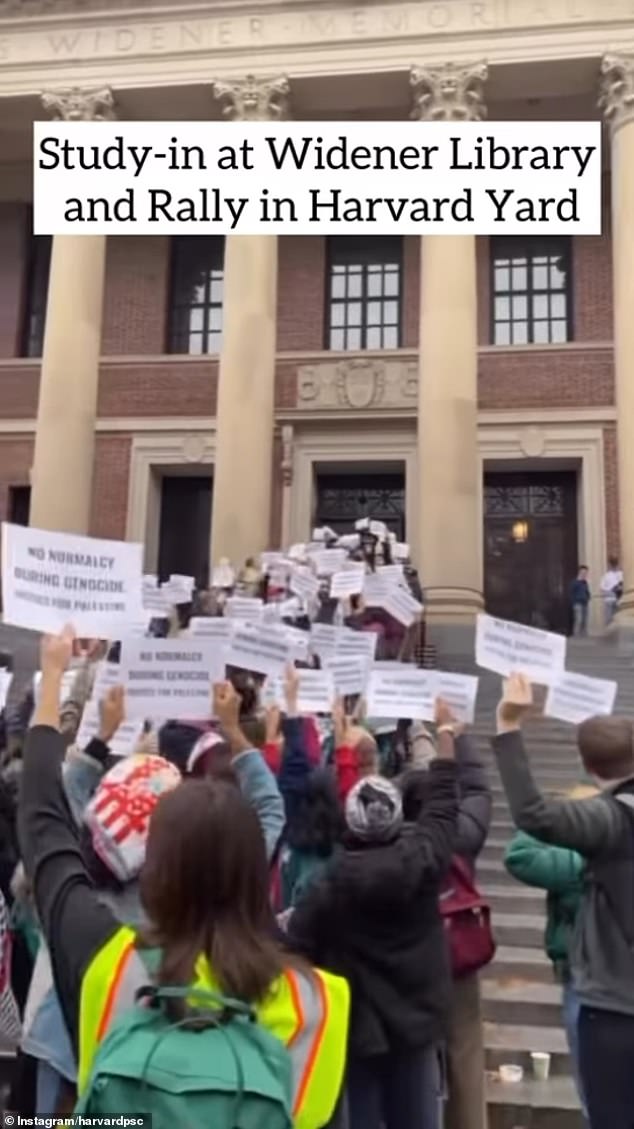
x,y
533,1105
526,962
494,871
519,930
516,898
506,1042
502,828
517,1000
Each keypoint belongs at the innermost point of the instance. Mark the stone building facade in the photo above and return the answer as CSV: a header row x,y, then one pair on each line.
x,y
216,399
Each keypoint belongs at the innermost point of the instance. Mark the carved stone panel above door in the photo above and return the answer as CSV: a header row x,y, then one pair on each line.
x,y
360,384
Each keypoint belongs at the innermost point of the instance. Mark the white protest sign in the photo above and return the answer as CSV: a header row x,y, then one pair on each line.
x,y
402,694
124,741
323,639
6,678
247,608
272,692
459,691
51,579
187,583
575,698
392,573
402,606
176,593
350,673
223,576
304,583
362,643
327,561
169,678
299,642
376,589
107,675
259,648
155,599
508,648
271,560
297,552
347,583
211,627
315,691
400,551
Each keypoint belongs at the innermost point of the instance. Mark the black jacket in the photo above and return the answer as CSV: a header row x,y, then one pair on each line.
x,y
374,919
474,813
602,831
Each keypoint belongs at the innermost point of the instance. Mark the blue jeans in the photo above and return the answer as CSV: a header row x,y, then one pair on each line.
x,y
580,613
399,1090
571,1009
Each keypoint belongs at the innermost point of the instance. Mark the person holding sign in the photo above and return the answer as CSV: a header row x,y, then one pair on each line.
x,y
374,918
601,830
204,888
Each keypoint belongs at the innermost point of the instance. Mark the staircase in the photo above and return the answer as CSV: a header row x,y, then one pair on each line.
x,y
521,1001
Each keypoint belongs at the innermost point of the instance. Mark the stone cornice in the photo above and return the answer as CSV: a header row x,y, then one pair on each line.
x,y
148,45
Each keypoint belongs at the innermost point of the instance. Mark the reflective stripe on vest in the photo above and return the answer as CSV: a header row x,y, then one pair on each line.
x,y
308,1012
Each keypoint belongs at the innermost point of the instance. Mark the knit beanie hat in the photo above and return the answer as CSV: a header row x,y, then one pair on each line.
x,y
374,811
118,816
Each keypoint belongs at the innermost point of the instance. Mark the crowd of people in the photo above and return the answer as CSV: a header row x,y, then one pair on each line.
x,y
292,898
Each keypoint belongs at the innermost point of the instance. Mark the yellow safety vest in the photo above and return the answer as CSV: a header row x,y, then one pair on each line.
x,y
307,1012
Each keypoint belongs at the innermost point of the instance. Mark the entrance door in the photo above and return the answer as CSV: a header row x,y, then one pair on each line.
x,y
185,527
530,546
342,499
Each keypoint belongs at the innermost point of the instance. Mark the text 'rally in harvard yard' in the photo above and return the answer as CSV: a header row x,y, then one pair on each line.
x,y
256,177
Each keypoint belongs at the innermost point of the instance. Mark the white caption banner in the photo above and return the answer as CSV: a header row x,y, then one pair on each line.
x,y
575,697
263,650
401,695
53,579
512,648
169,678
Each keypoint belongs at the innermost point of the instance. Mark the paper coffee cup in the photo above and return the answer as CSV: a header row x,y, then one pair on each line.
x,y
541,1065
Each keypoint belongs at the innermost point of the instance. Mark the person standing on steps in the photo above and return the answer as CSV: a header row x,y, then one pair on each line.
x,y
580,597
611,589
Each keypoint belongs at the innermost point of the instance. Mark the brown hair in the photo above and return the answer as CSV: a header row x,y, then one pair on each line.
x,y
205,888
606,745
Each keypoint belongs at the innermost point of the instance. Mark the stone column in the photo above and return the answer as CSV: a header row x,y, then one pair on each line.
x,y
287,482
61,478
449,550
617,103
243,467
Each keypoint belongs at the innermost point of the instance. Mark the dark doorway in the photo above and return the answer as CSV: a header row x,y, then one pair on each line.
x,y
530,546
19,504
185,527
344,498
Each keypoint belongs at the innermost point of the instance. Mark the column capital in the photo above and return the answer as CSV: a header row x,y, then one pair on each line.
x,y
616,98
76,104
254,99
449,92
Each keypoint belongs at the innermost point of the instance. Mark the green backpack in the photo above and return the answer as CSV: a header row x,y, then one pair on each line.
x,y
215,1069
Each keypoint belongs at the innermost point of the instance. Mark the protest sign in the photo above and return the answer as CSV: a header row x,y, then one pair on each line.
x,y
315,692
155,599
176,593
246,608
297,552
124,741
304,583
51,579
223,576
327,561
513,648
107,675
299,642
6,678
323,639
259,648
167,678
186,583
392,573
459,691
362,643
272,692
401,605
402,694
348,582
350,673
575,698
211,627
271,560
400,551
376,589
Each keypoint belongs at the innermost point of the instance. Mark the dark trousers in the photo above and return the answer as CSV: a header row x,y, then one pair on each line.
x,y
606,1060
401,1090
